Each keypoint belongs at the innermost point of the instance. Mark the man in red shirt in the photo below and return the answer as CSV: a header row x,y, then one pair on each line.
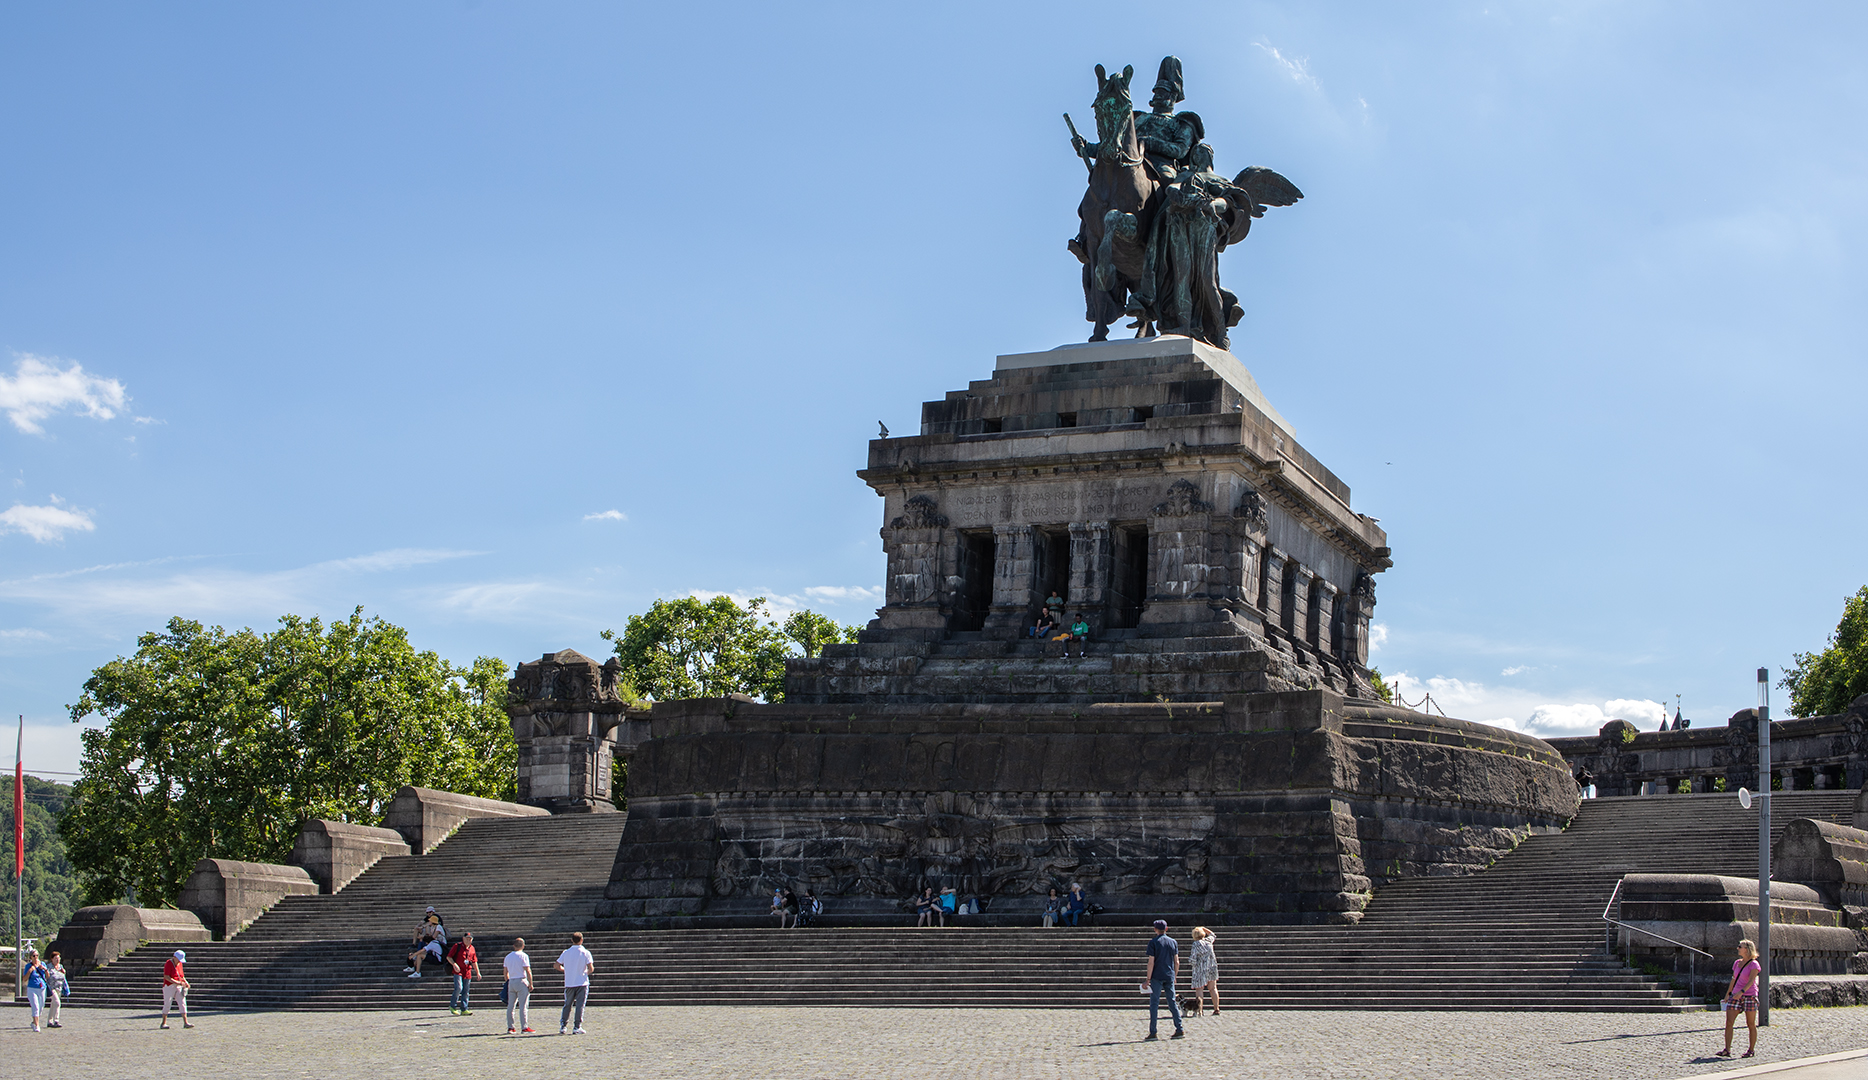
x,y
465,964
175,987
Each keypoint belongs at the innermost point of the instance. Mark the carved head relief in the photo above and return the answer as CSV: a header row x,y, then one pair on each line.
x,y
1183,498
920,512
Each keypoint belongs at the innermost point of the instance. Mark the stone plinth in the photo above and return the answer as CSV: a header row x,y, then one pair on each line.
x,y
1280,808
335,852
1713,913
227,894
97,935
565,709
424,817
1147,485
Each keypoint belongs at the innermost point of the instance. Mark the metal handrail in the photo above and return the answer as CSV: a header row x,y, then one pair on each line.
x,y
1608,943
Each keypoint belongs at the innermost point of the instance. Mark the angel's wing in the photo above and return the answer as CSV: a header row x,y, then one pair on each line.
x,y
1266,188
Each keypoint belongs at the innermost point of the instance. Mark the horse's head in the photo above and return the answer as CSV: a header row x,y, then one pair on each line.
x,y
1113,106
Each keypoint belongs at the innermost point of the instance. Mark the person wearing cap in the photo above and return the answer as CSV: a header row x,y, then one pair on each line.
x,y
1163,959
430,939
36,980
175,988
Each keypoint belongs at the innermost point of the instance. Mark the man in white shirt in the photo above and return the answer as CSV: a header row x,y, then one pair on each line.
x,y
518,987
577,964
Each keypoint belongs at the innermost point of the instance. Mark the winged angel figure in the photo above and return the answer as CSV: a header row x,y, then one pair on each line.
x,y
1156,215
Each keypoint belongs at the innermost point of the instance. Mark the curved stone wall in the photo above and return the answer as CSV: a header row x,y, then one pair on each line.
x,y
1266,808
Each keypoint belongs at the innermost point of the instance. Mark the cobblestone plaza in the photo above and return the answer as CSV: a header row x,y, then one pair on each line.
x,y
857,1044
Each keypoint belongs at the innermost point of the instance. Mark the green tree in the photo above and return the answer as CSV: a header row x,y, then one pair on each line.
x,y
810,632
691,647
1823,684
219,744
1380,686
52,888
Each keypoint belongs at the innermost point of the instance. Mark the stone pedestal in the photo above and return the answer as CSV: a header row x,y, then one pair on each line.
x,y
97,935
335,852
565,709
227,894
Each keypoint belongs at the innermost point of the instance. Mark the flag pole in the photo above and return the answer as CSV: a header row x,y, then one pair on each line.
x,y
19,860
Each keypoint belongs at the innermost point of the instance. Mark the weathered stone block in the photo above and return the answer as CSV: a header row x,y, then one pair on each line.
x,y
226,894
335,852
425,817
97,935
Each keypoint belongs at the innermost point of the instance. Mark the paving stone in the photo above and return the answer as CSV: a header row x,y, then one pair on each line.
x,y
986,1044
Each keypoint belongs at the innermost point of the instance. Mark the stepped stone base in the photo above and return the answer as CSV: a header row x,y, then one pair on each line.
x,y
1266,808
97,935
227,894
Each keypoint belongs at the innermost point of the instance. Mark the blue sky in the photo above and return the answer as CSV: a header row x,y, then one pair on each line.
x,y
503,320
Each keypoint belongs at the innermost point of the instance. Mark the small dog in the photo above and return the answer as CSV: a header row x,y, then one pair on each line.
x,y
1190,1006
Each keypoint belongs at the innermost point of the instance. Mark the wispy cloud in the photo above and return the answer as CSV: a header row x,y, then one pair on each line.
x,y
44,523
844,594
1296,67
607,515
102,594
1378,636
1519,710
1516,669
38,388
394,559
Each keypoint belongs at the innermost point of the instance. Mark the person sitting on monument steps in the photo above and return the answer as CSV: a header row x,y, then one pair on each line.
x,y
1054,601
1052,907
1075,905
1079,635
927,908
1046,626
430,940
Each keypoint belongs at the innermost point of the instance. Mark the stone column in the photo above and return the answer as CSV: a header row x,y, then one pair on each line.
x,y
1180,559
1014,580
1297,620
1271,587
912,543
1356,622
1329,618
1089,573
565,708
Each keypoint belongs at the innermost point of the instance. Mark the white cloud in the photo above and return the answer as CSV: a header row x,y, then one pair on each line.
x,y
24,633
1378,636
1587,719
1513,708
38,389
844,594
394,559
1517,669
607,515
44,523
1297,67
99,593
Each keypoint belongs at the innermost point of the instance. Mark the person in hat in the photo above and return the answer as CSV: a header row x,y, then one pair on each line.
x,y
1168,137
37,979
1163,960
430,941
175,988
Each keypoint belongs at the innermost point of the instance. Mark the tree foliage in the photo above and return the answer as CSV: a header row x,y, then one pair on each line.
x,y
219,744
692,647
51,885
1823,684
1380,686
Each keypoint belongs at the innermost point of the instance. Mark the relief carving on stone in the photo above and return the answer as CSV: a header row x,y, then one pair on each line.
x,y
1251,510
920,512
1183,498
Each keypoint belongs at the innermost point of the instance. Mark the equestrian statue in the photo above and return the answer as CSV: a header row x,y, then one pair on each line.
x,y
1156,215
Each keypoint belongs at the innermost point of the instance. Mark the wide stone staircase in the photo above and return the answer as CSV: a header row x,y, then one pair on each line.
x,y
536,877
1525,934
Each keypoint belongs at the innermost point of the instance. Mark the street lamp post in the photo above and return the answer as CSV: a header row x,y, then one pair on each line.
x,y
1764,846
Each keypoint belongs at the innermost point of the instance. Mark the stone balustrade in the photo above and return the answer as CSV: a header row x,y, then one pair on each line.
x,y
227,894
335,852
424,817
99,934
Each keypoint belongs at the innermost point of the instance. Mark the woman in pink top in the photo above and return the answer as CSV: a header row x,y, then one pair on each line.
x,y
1743,995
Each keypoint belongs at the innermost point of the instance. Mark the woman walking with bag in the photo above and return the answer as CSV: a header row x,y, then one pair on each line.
x,y
55,989
36,979
1742,996
1205,970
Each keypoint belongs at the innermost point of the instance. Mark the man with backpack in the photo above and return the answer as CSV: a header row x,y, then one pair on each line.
x,y
464,962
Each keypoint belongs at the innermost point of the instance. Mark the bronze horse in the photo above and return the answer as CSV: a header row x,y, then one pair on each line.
x,y
1118,209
